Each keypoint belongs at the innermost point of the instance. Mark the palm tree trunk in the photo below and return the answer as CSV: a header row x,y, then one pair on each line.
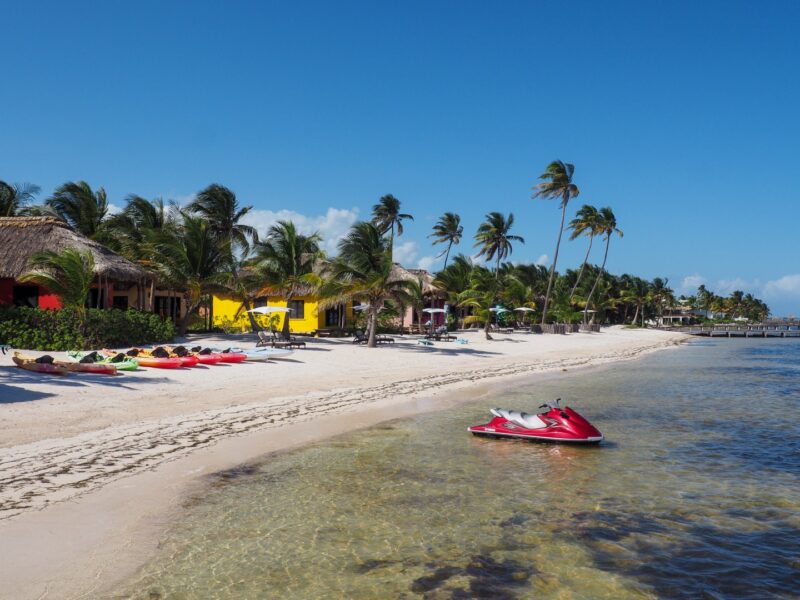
x,y
583,266
488,326
596,281
372,325
246,303
447,254
183,324
555,262
285,329
635,315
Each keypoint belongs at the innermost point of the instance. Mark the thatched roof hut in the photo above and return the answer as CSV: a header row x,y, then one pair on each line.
x,y
428,288
22,237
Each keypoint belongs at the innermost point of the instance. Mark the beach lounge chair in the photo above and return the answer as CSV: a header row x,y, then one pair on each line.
x,y
273,341
360,337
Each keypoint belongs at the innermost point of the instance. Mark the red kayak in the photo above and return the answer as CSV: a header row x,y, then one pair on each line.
x,y
233,357
555,425
209,359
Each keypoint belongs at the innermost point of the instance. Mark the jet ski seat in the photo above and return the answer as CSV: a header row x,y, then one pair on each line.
x,y
526,420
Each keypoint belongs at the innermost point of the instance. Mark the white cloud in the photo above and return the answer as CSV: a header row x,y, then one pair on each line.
x,y
113,209
543,260
724,287
787,286
690,284
426,262
332,226
405,253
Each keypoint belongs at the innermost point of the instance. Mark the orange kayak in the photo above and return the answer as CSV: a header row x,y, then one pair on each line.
x,y
146,360
30,364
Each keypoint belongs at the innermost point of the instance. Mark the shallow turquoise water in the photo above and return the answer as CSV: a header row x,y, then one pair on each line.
x,y
695,494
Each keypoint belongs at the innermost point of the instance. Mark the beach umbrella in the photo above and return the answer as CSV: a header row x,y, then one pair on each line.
x,y
525,309
268,310
498,309
434,311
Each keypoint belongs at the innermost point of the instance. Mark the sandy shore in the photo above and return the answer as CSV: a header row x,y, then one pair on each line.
x,y
92,468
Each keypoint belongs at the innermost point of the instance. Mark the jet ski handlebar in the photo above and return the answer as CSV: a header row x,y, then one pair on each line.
x,y
554,404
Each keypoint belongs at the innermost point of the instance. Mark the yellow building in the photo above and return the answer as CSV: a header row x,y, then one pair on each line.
x,y
305,315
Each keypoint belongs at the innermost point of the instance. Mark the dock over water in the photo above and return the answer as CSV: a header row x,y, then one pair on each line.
x,y
743,331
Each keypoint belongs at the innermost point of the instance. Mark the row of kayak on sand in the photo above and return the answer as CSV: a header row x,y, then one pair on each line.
x,y
110,362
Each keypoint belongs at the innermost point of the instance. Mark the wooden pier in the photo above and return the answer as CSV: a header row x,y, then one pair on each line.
x,y
740,331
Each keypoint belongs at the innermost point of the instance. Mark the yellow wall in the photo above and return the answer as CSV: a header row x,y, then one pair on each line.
x,y
225,310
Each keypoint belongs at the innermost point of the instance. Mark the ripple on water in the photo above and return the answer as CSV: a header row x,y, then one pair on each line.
x,y
693,496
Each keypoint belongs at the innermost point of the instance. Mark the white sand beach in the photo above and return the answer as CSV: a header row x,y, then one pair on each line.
x,y
92,468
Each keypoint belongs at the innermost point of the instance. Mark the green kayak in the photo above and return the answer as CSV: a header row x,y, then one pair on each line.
x,y
126,363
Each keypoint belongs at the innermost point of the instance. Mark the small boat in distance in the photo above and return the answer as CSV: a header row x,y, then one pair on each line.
x,y
557,424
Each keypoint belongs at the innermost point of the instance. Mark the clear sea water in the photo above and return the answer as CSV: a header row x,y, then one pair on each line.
x,y
695,494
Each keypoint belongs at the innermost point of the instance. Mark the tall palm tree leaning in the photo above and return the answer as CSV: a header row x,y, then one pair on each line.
x,y
557,184
494,240
448,230
81,207
585,223
386,216
607,225
14,198
363,271
286,259
68,274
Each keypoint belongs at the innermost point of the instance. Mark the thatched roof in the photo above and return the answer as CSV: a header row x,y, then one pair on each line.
x,y
400,272
22,237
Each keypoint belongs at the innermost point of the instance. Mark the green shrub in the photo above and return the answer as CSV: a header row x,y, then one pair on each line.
x,y
59,330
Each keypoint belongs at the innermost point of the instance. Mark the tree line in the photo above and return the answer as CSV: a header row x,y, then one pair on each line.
x,y
205,248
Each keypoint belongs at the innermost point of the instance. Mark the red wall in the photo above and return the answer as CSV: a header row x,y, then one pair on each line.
x,y
6,291
46,299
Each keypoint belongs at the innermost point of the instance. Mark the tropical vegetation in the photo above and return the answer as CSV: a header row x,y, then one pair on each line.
x,y
209,247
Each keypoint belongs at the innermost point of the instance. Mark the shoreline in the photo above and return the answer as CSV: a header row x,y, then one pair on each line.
x,y
91,529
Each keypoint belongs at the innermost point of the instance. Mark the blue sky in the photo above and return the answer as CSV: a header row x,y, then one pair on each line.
x,y
683,117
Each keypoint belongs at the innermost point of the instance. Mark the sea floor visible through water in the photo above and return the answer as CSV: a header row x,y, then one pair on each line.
x,y
694,494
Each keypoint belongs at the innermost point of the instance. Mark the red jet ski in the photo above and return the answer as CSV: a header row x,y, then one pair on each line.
x,y
557,424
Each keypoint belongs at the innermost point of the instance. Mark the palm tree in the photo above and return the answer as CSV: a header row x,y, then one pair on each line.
x,y
191,259
585,223
386,216
363,271
494,240
637,292
455,280
485,287
448,230
82,208
661,294
557,184
14,198
219,206
244,282
286,260
68,274
129,231
607,226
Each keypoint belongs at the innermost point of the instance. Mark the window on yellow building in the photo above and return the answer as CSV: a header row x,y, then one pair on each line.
x,y
298,309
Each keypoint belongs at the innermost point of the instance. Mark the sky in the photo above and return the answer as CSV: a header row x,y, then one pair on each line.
x,y
684,117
